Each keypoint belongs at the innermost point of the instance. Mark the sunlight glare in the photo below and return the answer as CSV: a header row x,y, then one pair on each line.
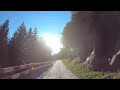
x,y
54,42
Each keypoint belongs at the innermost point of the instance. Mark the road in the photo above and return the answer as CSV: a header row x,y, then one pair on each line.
x,y
58,71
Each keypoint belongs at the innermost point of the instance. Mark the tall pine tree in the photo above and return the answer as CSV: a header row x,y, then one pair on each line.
x,y
4,44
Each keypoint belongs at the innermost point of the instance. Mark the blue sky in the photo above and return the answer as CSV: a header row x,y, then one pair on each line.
x,y
50,22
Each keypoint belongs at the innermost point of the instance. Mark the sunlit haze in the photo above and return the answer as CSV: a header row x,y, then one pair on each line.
x,y
53,41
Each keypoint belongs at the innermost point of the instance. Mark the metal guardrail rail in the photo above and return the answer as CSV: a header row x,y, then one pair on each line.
x,y
32,66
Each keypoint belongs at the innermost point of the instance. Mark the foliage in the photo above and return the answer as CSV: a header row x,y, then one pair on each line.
x,y
82,72
24,47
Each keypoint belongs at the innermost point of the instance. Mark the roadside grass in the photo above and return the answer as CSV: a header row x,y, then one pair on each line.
x,y
82,72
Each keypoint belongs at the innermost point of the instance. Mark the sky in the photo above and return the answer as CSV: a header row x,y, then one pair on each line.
x,y
47,22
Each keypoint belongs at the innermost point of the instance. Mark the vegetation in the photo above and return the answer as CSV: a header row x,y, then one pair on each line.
x,y
23,47
76,33
94,31
82,72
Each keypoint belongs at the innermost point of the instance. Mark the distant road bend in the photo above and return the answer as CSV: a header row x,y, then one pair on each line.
x,y
58,71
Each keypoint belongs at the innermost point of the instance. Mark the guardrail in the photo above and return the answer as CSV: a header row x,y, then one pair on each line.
x,y
32,66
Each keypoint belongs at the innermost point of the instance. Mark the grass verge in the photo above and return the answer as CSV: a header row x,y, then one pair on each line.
x,y
83,73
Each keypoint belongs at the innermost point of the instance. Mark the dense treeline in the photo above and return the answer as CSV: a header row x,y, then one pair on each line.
x,y
23,47
94,32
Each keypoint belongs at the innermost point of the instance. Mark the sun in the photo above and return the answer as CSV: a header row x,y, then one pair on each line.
x,y
54,42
